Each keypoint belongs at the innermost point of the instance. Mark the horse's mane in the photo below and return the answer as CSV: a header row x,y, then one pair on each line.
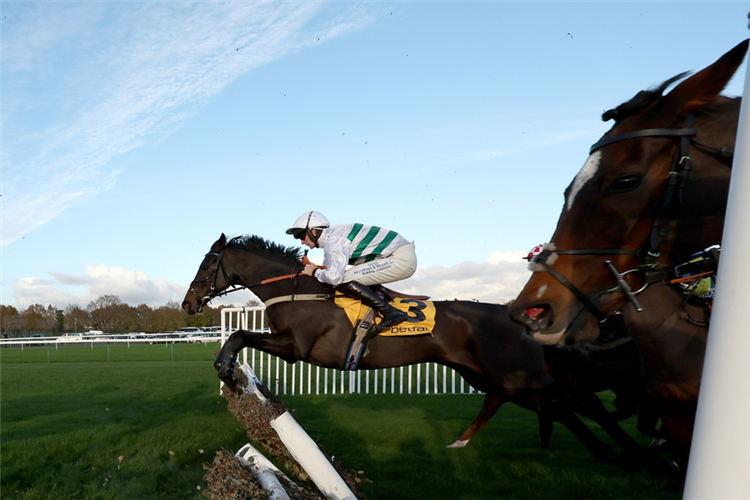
x,y
257,244
641,101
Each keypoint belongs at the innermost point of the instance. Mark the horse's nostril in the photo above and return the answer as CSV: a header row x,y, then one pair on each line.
x,y
534,312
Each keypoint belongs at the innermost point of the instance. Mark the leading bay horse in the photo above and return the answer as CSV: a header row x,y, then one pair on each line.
x,y
651,194
478,340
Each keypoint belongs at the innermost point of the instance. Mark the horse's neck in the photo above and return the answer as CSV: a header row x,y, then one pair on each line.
x,y
250,270
672,346
253,270
691,238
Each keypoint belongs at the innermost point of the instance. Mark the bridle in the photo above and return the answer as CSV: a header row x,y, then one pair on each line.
x,y
649,251
202,300
212,293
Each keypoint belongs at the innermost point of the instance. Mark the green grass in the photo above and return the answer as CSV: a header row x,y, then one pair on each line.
x,y
120,352
68,415
65,424
399,443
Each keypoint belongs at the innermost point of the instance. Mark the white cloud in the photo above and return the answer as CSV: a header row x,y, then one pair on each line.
x,y
513,256
136,80
132,287
498,279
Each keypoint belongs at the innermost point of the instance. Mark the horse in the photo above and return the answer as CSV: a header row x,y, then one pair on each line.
x,y
478,340
650,196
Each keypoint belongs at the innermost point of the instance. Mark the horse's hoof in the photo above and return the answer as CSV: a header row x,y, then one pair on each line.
x,y
626,460
604,453
657,442
225,365
231,384
673,469
460,443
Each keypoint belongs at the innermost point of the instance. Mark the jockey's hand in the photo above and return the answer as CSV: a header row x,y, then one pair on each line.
x,y
309,269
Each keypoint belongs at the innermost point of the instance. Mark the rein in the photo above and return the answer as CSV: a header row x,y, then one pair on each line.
x,y
220,259
677,181
541,259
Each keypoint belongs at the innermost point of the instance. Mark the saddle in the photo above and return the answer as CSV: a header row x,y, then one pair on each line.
x,y
363,319
387,293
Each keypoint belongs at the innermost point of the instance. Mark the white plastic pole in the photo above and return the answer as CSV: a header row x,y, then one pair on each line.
x,y
308,455
264,470
252,382
719,465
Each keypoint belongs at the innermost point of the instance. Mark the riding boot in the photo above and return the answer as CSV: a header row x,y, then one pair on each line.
x,y
389,315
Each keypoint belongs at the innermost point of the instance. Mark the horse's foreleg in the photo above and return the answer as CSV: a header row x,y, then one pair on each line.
x,y
280,345
491,404
591,407
648,418
560,411
546,426
227,359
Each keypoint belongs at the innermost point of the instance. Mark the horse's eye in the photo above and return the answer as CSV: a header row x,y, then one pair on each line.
x,y
625,184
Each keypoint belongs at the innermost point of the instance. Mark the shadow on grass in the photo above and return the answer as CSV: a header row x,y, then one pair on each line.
x,y
66,425
399,443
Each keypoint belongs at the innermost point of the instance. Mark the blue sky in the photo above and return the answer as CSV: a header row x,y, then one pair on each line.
x,y
135,133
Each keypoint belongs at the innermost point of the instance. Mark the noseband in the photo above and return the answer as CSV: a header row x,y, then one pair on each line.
x,y
649,251
541,259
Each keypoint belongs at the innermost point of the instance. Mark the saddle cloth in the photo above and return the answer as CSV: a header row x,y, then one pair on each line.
x,y
421,313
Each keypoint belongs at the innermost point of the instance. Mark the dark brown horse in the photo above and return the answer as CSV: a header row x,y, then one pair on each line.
x,y
478,340
652,193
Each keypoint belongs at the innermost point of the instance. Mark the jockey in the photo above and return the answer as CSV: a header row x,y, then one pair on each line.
x,y
376,256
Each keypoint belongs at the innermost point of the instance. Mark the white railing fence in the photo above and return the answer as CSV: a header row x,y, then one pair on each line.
x,y
300,378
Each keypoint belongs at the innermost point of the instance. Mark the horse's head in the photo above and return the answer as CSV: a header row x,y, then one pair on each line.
x,y
243,261
631,206
210,280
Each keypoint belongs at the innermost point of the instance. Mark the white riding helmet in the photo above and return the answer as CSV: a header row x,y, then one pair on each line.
x,y
307,221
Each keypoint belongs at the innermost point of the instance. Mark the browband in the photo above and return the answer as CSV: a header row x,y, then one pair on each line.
x,y
649,132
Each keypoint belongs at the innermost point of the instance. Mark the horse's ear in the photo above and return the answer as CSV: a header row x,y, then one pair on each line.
x,y
220,243
703,87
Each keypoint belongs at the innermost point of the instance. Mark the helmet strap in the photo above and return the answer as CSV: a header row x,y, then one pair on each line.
x,y
314,237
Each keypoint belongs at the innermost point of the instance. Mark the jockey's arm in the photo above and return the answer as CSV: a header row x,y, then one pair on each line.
x,y
335,261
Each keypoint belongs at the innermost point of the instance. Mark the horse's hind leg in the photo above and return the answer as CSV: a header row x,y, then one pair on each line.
x,y
491,404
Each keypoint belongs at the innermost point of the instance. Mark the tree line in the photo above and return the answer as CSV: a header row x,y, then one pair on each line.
x,y
106,313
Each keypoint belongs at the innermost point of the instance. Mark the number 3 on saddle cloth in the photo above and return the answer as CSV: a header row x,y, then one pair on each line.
x,y
421,321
